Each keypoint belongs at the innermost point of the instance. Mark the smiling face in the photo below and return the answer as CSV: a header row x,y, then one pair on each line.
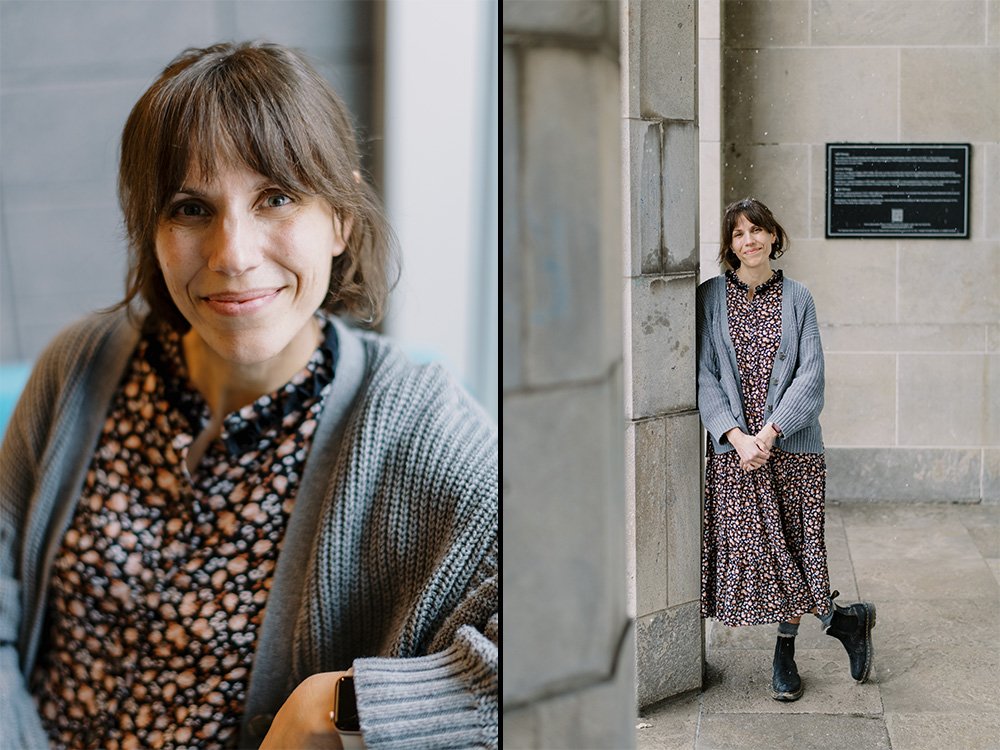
x,y
247,263
751,243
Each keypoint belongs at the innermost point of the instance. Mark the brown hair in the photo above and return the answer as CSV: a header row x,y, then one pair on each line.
x,y
760,215
265,107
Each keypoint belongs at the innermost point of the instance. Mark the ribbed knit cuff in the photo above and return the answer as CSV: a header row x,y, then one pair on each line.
x,y
444,700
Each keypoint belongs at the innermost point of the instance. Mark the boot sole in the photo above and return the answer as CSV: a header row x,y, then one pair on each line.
x,y
788,697
870,650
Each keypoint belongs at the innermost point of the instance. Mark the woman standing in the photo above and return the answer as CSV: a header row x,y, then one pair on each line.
x,y
760,392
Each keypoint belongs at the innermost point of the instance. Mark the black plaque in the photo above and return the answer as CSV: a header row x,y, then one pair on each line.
x,y
897,190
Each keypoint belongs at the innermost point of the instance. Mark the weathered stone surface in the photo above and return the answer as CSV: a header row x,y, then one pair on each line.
x,y
791,731
912,474
671,724
958,77
892,337
645,197
680,197
660,356
945,399
829,269
776,95
883,23
647,469
966,294
936,730
960,578
739,681
930,623
766,23
776,174
667,59
991,475
668,653
963,679
682,493
947,539
860,406
571,229
563,516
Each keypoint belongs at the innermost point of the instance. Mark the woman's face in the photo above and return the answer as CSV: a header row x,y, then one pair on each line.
x,y
751,243
247,263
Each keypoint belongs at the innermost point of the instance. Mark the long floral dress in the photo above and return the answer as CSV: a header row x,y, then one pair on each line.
x,y
763,552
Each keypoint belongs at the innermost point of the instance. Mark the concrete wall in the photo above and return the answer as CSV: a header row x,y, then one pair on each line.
x,y
910,327
663,463
568,639
70,71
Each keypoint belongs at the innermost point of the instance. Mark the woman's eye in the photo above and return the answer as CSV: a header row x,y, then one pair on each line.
x,y
189,210
277,200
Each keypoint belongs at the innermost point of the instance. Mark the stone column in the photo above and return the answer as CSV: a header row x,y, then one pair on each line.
x,y
568,673
663,462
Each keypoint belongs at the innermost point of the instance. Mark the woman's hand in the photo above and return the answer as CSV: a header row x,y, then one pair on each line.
x,y
753,451
304,719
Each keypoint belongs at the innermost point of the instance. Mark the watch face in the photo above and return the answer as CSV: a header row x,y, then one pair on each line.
x,y
345,706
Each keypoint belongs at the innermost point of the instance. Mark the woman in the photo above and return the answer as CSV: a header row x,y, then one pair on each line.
x,y
219,504
760,392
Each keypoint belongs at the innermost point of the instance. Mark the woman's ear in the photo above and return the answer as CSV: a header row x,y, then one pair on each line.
x,y
341,233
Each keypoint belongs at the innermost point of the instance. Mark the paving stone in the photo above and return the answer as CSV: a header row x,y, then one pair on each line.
x,y
948,679
949,578
917,624
739,681
791,732
949,540
671,724
987,540
933,731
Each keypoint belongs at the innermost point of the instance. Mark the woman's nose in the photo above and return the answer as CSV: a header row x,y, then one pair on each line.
x,y
233,246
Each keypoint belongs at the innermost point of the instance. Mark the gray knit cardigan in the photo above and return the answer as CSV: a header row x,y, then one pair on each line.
x,y
795,391
389,561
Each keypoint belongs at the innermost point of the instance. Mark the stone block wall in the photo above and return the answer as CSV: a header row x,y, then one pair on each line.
x,y
911,327
70,71
567,650
662,464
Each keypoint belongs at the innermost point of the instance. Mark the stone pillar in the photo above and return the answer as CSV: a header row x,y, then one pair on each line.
x,y
567,632
663,461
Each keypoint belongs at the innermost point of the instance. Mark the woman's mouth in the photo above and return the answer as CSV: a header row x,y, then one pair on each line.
x,y
243,302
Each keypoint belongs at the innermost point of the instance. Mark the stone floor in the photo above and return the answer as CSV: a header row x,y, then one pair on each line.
x,y
933,572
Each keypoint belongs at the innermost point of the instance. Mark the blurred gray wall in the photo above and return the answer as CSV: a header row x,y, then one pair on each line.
x,y
69,74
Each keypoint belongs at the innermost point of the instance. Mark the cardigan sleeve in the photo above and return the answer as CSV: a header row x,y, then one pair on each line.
x,y
447,698
19,458
802,401
404,581
713,404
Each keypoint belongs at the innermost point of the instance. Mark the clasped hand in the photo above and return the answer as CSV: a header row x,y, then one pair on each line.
x,y
754,450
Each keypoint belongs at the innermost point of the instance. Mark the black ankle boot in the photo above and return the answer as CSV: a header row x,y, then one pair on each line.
x,y
785,681
852,626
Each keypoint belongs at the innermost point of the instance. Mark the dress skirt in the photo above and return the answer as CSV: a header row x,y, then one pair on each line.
x,y
764,551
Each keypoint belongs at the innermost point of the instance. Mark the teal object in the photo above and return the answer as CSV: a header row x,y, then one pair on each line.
x,y
12,380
